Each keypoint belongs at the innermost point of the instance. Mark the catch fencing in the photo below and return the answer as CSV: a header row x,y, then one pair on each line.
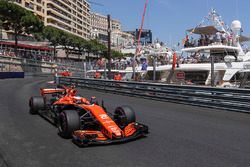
x,y
30,66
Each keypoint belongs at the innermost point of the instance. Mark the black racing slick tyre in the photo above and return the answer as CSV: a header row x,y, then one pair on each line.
x,y
124,115
36,103
69,121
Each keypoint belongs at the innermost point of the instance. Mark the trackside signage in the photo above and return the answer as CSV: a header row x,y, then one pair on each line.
x,y
180,75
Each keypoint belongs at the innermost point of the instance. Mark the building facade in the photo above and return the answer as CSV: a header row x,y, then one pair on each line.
x,y
72,16
121,39
99,26
100,22
146,36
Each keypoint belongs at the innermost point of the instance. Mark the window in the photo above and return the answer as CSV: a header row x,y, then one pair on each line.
x,y
31,6
39,8
26,4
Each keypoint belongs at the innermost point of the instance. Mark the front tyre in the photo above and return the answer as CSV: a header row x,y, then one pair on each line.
x,y
124,115
69,121
36,103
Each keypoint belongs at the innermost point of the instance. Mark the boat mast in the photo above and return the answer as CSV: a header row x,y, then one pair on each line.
x,y
139,36
217,21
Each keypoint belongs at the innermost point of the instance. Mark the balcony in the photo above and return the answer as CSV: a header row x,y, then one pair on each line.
x,y
50,14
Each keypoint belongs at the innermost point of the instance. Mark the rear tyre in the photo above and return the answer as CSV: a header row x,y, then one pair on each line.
x,y
124,115
69,121
36,103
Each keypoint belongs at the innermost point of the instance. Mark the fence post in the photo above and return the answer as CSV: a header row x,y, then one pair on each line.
x,y
85,70
57,80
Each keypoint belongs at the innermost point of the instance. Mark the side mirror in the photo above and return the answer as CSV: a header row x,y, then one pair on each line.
x,y
103,106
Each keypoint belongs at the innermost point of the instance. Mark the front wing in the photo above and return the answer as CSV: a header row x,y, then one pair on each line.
x,y
84,138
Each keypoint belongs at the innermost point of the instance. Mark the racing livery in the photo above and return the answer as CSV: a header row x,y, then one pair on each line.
x,y
65,73
85,121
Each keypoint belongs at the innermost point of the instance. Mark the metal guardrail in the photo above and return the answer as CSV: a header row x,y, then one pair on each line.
x,y
221,98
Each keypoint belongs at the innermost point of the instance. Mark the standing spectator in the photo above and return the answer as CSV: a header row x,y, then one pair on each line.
x,y
97,75
202,40
207,40
230,40
224,39
144,66
118,77
218,37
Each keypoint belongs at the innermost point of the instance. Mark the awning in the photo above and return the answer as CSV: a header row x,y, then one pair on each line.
x,y
26,46
208,30
244,39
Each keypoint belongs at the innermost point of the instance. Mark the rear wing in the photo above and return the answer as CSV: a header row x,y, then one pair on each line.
x,y
44,91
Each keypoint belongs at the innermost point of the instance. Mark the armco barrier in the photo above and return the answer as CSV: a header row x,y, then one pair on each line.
x,y
222,98
4,75
37,74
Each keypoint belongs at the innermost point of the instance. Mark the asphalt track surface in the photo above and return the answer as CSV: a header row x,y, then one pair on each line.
x,y
180,135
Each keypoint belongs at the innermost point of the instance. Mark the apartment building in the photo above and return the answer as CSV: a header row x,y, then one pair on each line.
x,y
99,25
72,16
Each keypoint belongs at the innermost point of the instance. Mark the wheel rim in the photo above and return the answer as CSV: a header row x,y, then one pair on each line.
x,y
62,123
121,117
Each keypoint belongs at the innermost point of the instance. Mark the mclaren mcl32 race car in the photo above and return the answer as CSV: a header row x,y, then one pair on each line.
x,y
86,122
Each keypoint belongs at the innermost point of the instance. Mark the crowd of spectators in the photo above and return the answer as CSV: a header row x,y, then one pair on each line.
x,y
118,64
7,52
25,55
194,58
205,40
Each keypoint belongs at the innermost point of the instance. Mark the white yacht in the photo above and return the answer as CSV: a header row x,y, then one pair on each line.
x,y
212,55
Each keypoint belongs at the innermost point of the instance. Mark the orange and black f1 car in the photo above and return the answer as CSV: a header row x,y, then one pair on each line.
x,y
86,121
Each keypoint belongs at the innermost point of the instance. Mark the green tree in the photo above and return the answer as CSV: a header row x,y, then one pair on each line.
x,y
80,44
19,20
53,36
97,47
116,54
88,47
66,40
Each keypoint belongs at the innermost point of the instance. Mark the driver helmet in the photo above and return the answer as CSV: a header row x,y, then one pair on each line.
x,y
73,92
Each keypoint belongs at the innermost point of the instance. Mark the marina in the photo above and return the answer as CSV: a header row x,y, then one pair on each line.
x,y
145,83
212,55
